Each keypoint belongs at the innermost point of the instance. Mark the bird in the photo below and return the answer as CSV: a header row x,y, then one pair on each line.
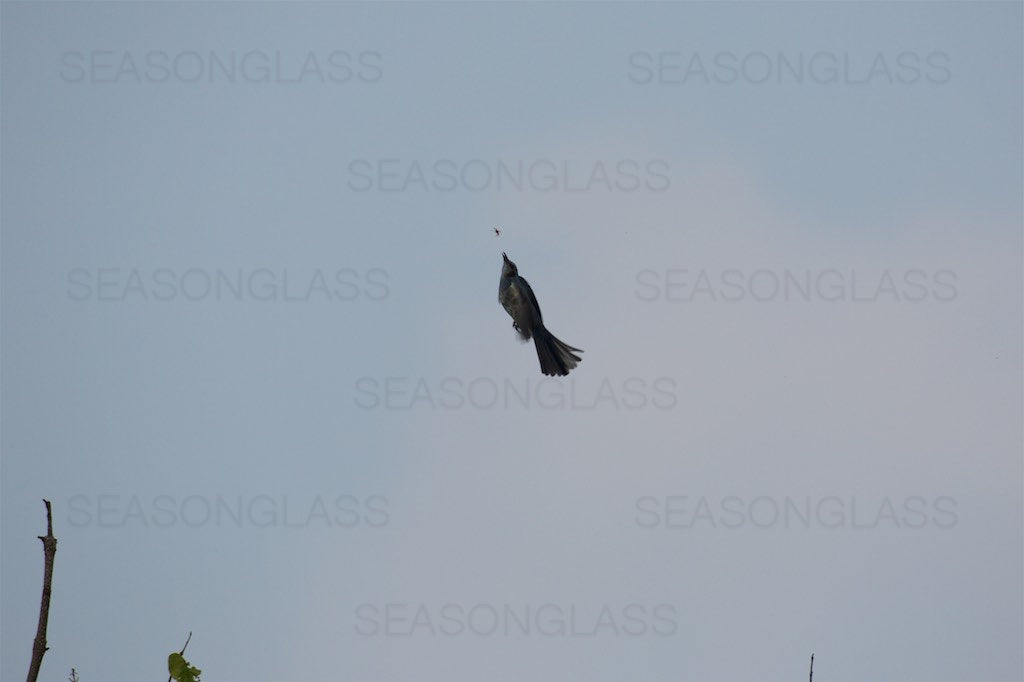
x,y
516,297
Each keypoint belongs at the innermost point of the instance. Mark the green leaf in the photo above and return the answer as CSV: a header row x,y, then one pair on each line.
x,y
181,670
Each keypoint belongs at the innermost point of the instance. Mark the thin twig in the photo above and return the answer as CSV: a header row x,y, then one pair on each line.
x,y
182,652
49,551
810,678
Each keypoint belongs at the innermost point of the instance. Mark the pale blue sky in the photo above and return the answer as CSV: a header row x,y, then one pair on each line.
x,y
252,349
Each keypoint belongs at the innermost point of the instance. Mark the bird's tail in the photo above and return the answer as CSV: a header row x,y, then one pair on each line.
x,y
556,357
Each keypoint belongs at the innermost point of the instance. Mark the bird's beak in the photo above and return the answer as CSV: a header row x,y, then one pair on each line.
x,y
504,256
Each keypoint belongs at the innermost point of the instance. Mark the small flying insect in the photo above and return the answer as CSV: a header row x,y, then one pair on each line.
x,y
497,232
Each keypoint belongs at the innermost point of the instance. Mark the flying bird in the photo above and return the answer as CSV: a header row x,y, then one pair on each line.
x,y
516,297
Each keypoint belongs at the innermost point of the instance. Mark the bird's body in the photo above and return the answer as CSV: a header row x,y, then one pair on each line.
x,y
517,298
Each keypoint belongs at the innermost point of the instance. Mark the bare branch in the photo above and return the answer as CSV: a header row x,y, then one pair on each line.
x,y
810,678
49,551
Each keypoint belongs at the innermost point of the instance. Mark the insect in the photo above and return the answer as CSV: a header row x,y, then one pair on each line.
x,y
497,232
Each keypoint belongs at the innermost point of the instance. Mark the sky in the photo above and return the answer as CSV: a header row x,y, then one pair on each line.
x,y
253,354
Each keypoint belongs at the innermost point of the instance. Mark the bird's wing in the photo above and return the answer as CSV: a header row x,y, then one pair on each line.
x,y
533,299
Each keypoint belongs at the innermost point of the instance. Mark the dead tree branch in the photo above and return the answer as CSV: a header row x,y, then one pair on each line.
x,y
49,551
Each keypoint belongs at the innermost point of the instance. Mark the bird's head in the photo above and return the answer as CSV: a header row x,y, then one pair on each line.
x,y
508,268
